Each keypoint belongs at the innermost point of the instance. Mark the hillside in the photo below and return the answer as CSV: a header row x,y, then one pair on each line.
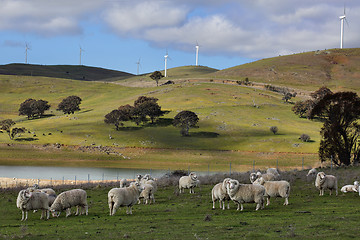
x,y
337,69
75,72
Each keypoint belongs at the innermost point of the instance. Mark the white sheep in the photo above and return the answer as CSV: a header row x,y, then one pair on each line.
x,y
350,188
275,189
190,182
121,197
27,200
274,172
266,176
124,183
147,194
312,172
324,181
219,192
68,199
48,191
246,193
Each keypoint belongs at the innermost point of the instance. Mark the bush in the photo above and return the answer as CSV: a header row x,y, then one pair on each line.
x,y
274,129
304,137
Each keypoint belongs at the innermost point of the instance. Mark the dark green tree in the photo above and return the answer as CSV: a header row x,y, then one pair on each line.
x,y
118,116
157,75
7,126
146,107
33,108
340,132
185,120
302,108
70,104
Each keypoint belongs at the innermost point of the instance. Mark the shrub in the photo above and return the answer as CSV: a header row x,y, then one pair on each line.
x,y
304,137
274,129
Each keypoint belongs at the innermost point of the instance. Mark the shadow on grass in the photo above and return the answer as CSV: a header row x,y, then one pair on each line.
x,y
28,139
124,129
204,134
85,111
161,122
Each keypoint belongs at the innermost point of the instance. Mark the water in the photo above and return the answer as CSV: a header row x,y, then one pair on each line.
x,y
69,173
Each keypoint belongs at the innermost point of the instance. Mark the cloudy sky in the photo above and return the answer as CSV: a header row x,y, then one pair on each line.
x,y
115,34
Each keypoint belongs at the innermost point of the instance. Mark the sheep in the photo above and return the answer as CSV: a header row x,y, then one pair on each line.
x,y
190,182
27,200
324,181
312,172
124,183
350,188
48,191
245,193
266,176
219,192
121,197
68,199
274,172
147,194
275,189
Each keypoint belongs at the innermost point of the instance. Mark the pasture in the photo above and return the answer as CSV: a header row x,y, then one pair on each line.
x,y
186,216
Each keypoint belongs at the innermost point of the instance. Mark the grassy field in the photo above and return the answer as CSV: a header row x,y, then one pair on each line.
x,y
186,216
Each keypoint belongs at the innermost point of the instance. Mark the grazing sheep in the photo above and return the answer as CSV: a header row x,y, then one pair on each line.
x,y
48,191
266,176
68,199
147,194
246,193
274,172
124,183
312,172
190,182
275,189
324,181
219,192
27,200
350,188
121,197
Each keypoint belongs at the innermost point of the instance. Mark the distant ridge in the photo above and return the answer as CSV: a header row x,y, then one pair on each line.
x,y
76,72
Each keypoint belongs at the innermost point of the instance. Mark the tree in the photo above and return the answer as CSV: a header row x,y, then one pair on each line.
x,y
146,106
302,108
157,75
7,124
185,120
25,108
117,116
70,104
32,108
340,132
288,95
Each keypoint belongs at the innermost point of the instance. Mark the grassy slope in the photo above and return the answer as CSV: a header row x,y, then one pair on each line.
x,y
62,71
186,216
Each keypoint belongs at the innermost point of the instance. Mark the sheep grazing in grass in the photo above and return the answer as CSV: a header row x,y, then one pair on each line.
x,y
246,193
27,201
48,191
147,194
324,181
68,199
124,197
266,176
350,188
275,189
219,192
190,182
312,172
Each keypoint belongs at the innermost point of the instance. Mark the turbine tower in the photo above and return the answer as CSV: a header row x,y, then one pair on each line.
x,y
26,52
342,18
197,54
81,50
138,65
166,57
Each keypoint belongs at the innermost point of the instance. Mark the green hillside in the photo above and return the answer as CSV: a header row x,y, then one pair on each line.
x,y
75,72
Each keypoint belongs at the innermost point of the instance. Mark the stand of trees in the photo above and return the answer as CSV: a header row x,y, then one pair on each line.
x,y
7,126
70,104
33,108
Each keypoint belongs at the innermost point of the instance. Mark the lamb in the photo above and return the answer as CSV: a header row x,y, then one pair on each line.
x,y
121,197
350,188
246,193
27,200
190,182
312,172
219,192
324,181
68,199
275,189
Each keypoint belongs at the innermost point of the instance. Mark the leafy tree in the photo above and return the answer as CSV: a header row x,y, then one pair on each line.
x,y
157,75
70,104
320,93
7,124
288,95
117,116
302,108
340,132
146,106
304,137
32,108
185,120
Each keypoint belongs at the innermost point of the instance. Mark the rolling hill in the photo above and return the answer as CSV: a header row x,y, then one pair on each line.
x,y
75,72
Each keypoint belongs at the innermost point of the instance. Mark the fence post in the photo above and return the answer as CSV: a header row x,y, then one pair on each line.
x,y
208,168
63,180
88,177
230,168
103,177
50,181
253,165
75,179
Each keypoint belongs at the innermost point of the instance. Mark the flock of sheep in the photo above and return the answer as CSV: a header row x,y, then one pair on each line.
x,y
263,186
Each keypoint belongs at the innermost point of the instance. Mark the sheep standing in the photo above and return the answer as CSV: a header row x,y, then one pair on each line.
x,y
274,172
27,200
190,182
324,181
124,183
219,192
275,189
147,194
246,193
48,191
350,188
312,172
266,176
68,199
121,197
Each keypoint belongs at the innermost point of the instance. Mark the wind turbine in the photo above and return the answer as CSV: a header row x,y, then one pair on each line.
x,y
26,51
342,18
81,50
197,54
166,58
138,65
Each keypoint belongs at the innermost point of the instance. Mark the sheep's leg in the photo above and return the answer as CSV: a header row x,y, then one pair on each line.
x,y
242,207
42,214
286,201
228,205
267,201
86,210
258,206
110,208
68,212
47,214
330,191
238,206
22,215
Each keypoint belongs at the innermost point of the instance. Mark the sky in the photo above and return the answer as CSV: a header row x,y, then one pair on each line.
x,y
118,34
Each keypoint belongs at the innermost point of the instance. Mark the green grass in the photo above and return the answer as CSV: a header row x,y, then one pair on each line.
x,y
186,216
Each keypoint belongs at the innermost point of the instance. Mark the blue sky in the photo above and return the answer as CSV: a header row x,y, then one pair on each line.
x,y
115,34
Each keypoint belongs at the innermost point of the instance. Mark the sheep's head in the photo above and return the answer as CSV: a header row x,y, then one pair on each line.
x,y
321,175
356,183
232,184
138,177
253,177
193,176
260,181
